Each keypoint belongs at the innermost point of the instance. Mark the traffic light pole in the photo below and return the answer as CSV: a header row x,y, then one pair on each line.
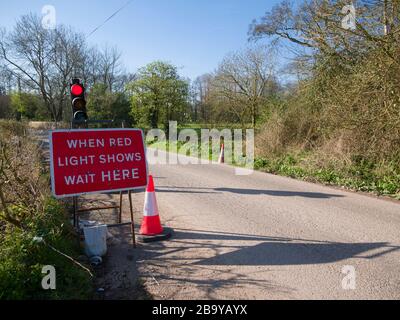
x,y
75,124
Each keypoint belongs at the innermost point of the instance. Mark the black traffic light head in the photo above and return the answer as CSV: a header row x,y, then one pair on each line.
x,y
79,111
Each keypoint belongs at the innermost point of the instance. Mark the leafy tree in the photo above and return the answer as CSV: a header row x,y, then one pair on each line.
x,y
158,95
28,106
106,105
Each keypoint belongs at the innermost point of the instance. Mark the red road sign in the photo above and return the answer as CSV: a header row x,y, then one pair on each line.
x,y
97,161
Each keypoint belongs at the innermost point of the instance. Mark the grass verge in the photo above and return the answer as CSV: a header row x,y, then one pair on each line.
x,y
379,179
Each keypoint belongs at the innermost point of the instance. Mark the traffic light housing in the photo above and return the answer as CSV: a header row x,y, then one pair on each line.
x,y
79,112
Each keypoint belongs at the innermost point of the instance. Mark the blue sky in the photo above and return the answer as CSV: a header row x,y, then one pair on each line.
x,y
192,34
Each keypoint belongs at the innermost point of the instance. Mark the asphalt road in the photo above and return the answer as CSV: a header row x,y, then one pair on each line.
x,y
268,237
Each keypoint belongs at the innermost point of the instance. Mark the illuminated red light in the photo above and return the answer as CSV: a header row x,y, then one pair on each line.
x,y
76,90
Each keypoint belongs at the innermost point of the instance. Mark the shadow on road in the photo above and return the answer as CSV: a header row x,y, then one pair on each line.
x,y
284,254
274,193
280,193
184,191
269,251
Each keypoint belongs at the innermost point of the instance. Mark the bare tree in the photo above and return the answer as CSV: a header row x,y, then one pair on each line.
x,y
105,67
90,68
202,97
7,81
317,25
243,79
110,66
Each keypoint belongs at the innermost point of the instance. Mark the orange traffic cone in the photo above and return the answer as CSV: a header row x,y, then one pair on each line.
x,y
222,155
151,224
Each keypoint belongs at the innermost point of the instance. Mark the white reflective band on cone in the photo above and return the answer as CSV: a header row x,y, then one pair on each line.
x,y
150,205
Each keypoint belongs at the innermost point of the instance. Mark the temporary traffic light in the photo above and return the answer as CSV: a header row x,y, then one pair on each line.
x,y
79,111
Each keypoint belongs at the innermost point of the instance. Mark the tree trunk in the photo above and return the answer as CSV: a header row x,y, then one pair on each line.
x,y
254,115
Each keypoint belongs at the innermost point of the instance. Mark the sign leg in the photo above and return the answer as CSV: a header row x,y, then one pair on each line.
x,y
120,207
132,220
77,212
76,219
75,208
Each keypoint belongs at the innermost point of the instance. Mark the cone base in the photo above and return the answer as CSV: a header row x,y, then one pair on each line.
x,y
165,235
